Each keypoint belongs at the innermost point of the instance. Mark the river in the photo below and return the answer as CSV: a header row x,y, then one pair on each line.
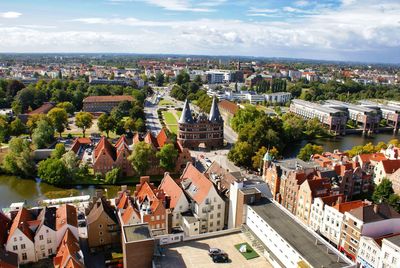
x,y
13,189
342,143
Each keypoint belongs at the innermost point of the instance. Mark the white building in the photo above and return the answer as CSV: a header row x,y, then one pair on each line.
x,y
289,242
369,252
390,252
317,210
46,234
219,76
278,97
206,204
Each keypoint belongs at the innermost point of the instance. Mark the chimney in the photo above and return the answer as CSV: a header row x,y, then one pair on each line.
x,y
376,208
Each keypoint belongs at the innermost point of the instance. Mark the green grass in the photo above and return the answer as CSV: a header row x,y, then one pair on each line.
x,y
179,113
250,254
169,118
165,103
173,128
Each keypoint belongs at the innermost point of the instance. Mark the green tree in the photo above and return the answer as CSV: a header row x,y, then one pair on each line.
x,y
308,150
31,124
141,157
59,151
140,125
4,129
167,156
71,163
241,153
52,171
394,201
112,176
43,134
381,145
19,159
84,120
59,119
67,106
17,127
106,123
257,159
130,125
159,79
383,191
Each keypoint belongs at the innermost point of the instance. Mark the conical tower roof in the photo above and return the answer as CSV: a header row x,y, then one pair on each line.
x,y
267,157
186,117
215,115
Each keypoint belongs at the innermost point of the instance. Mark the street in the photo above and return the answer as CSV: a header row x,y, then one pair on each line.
x,y
150,110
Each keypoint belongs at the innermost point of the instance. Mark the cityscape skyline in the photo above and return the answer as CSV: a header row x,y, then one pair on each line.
x,y
347,30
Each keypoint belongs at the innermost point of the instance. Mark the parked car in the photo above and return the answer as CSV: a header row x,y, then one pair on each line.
x,y
214,251
220,258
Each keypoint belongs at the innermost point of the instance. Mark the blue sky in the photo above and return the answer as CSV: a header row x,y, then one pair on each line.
x,y
355,30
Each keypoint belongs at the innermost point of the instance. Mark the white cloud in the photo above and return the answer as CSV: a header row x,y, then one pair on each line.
x,y
262,10
372,31
10,15
181,5
302,3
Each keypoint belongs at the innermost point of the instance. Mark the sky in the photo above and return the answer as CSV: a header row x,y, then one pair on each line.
x,y
346,30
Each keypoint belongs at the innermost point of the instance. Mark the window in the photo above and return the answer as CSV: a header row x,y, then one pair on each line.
x,y
15,239
152,218
219,206
20,238
41,247
100,226
15,247
50,251
211,224
40,237
218,223
218,215
211,216
157,217
100,233
24,257
48,241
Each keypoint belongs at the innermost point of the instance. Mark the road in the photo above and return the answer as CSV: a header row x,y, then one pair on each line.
x,y
150,110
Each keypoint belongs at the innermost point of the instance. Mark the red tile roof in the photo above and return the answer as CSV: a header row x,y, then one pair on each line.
x,y
21,222
79,142
108,98
171,189
104,146
5,223
44,109
228,106
162,138
375,212
130,212
372,157
333,200
347,206
390,166
66,214
146,191
68,253
150,139
196,183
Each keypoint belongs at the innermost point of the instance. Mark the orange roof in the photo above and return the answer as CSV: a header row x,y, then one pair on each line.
x,y
129,212
347,206
150,139
104,146
79,142
390,166
162,138
372,157
68,253
228,106
332,200
195,183
123,202
319,186
108,98
172,189
5,223
66,214
21,222
44,109
136,138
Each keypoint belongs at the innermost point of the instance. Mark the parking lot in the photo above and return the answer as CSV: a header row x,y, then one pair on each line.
x,y
195,253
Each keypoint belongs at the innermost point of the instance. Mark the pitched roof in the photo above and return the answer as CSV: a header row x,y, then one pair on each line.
x,y
68,254
332,199
216,171
5,223
372,157
390,166
47,217
347,206
195,183
228,106
123,201
375,212
101,206
129,212
150,139
66,214
171,189
319,186
104,146
108,98
162,138
44,109
21,222
148,192
78,142
215,115
186,116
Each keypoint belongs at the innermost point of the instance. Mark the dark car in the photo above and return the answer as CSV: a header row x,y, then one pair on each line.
x,y
214,251
220,258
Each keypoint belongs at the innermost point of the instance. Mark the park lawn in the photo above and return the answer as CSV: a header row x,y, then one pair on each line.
x,y
165,103
169,118
173,128
250,254
179,113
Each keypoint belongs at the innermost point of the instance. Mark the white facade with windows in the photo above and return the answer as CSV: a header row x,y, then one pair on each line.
x,y
278,97
390,252
331,224
369,253
317,214
45,242
22,245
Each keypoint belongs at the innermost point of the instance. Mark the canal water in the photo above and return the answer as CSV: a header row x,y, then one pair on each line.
x,y
341,143
13,189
